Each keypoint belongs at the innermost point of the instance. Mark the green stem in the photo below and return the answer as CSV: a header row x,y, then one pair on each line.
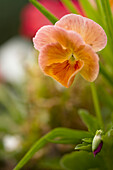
x,y
96,105
70,6
44,11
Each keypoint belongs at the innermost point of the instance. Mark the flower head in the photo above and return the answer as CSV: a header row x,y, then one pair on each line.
x,y
70,47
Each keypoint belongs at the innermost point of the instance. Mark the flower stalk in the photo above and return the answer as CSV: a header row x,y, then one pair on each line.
x,y
96,105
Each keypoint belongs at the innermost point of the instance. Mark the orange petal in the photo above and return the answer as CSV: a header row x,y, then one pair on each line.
x,y
92,33
52,34
64,72
90,69
53,53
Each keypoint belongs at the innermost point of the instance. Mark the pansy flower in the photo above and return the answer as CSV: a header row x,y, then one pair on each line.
x,y
69,47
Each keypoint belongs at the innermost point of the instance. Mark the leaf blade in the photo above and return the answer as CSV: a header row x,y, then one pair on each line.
x,y
58,132
81,160
90,121
69,5
44,11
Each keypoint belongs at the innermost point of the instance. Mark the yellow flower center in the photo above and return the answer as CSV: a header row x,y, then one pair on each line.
x,y
72,59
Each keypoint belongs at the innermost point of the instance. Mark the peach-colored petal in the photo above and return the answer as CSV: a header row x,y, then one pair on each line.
x,y
52,34
43,37
64,72
92,33
90,69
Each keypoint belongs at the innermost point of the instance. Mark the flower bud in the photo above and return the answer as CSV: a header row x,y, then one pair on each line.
x,y
97,142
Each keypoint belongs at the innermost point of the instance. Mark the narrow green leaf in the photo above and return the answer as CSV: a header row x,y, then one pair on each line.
x,y
90,121
89,10
73,139
107,14
69,5
69,133
85,147
44,11
107,52
63,141
100,11
87,140
58,132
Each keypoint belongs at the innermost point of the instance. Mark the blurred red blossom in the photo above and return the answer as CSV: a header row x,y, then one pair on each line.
x,y
32,19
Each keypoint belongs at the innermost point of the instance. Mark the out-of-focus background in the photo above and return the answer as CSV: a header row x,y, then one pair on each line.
x,y
31,104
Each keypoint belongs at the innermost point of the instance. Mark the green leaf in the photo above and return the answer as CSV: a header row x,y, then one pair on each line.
x,y
84,146
100,13
90,121
69,5
44,11
49,163
63,141
65,133
89,10
107,17
82,160
107,149
87,140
